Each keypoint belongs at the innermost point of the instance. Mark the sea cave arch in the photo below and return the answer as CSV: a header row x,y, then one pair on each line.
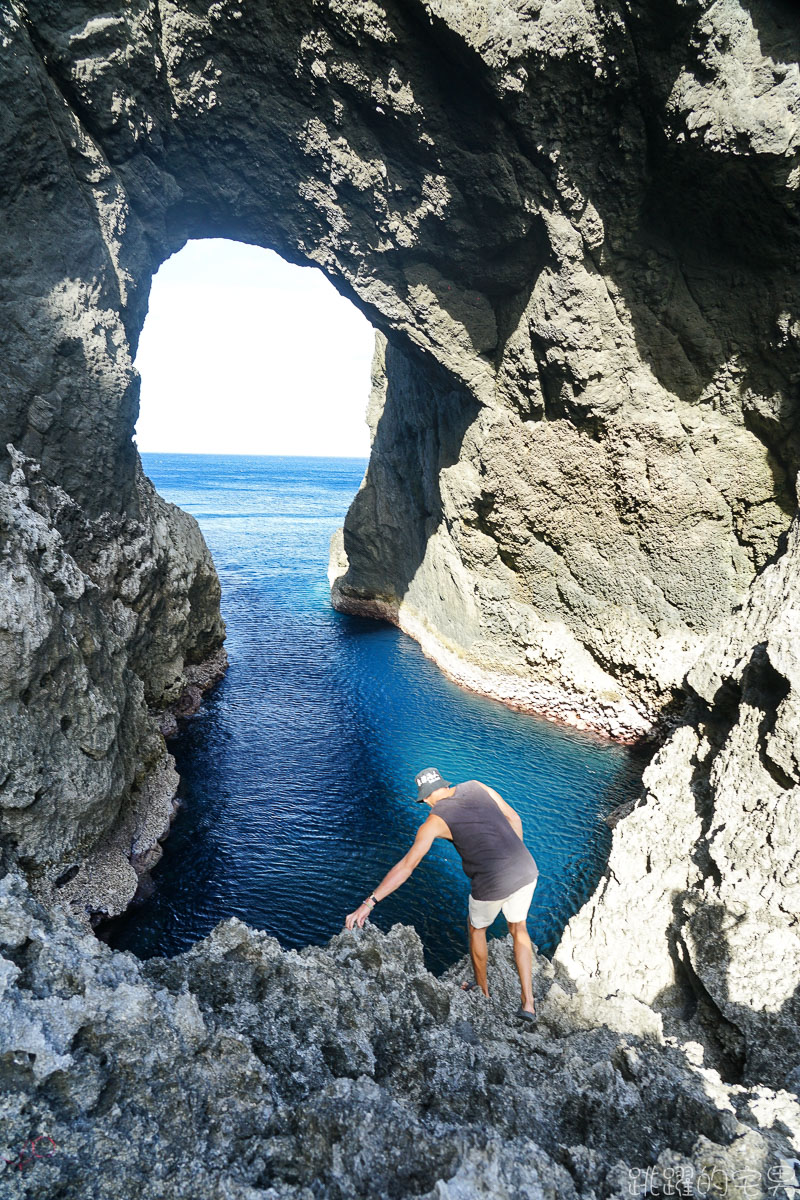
x,y
580,456
243,353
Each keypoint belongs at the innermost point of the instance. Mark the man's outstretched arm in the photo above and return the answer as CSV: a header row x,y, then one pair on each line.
x,y
432,828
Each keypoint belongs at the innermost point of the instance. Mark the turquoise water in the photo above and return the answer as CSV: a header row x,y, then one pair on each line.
x,y
297,773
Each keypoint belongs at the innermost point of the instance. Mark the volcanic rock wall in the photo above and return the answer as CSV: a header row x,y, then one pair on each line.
x,y
574,225
706,867
629,463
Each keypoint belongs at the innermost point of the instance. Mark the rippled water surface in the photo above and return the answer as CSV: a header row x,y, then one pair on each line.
x,y
297,774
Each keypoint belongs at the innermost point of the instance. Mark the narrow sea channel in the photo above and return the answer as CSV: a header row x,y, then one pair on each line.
x,y
297,773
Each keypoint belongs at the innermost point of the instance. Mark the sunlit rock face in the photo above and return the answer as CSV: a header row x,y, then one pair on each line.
x,y
626,467
574,227
706,867
107,622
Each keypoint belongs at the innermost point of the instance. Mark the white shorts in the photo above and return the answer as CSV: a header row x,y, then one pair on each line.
x,y
514,907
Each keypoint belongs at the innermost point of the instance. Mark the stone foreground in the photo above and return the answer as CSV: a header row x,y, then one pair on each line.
x,y
241,1071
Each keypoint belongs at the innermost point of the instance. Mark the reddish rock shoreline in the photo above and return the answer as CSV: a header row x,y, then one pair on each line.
x,y
538,698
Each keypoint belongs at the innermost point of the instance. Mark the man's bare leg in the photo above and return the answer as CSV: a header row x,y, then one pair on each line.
x,y
479,955
523,956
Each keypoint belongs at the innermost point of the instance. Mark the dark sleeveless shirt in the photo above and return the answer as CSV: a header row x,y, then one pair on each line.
x,y
495,859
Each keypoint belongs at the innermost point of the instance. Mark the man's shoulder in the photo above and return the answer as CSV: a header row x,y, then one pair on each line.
x,y
435,819
470,790
478,783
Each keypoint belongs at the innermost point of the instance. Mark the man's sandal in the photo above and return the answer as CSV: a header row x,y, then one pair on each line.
x,y
468,986
531,1018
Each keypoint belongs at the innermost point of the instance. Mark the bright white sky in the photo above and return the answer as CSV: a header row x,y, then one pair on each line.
x,y
243,353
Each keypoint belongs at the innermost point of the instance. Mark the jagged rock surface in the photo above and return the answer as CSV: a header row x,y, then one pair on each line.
x,y
575,226
242,1071
703,884
99,621
628,466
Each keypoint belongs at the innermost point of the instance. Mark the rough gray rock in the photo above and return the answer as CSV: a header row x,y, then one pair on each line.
x,y
575,536
239,1070
700,906
574,225
588,435
99,621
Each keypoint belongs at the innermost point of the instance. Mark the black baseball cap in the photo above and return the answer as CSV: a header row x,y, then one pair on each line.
x,y
428,781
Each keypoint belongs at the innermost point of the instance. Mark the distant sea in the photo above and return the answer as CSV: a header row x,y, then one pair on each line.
x,y
297,775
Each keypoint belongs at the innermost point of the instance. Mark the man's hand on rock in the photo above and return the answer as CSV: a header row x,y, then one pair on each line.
x,y
359,916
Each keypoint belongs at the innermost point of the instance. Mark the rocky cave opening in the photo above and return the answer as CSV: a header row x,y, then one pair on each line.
x,y
576,228
207,312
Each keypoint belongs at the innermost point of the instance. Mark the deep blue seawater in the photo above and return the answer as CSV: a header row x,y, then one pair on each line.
x,y
297,774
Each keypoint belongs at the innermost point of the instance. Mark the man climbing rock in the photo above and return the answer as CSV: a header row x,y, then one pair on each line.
x,y
487,833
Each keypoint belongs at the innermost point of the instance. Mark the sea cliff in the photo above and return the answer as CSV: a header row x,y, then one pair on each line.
x,y
573,224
